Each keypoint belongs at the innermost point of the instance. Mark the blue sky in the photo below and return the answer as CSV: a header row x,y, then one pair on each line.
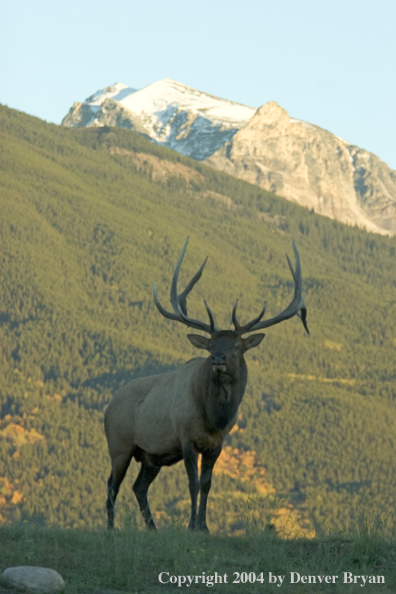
x,y
329,63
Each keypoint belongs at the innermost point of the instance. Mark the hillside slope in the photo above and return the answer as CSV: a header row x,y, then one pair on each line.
x,y
90,218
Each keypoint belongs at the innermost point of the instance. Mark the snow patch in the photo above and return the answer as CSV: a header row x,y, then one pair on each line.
x,y
118,92
158,96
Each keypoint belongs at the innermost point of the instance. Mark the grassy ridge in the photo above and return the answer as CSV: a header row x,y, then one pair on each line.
x,y
132,559
85,230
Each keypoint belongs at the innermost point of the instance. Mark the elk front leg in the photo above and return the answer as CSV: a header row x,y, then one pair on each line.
x,y
208,461
190,458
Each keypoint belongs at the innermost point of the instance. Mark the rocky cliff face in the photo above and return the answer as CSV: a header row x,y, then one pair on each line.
x,y
312,167
291,158
110,113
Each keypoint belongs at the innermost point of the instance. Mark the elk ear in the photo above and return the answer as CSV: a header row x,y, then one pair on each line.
x,y
201,342
253,341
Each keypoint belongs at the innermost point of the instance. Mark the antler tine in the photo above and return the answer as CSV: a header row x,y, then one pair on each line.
x,y
243,329
291,266
179,302
166,314
182,298
247,327
234,318
296,307
212,324
173,292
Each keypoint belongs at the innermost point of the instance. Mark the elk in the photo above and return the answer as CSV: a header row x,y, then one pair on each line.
x,y
162,419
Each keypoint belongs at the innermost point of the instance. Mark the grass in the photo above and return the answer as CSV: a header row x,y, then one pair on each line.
x,y
132,559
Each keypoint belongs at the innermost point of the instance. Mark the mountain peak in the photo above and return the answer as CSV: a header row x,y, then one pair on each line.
x,y
269,114
171,113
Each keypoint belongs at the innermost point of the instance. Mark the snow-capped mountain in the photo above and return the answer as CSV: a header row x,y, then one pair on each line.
x,y
291,158
180,117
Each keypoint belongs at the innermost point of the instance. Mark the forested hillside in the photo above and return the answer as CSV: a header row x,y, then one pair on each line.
x,y
89,219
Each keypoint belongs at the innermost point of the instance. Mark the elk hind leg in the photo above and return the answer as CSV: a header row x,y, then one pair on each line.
x,y
120,465
147,474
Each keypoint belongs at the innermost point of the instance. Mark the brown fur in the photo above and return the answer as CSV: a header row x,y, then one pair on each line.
x,y
161,419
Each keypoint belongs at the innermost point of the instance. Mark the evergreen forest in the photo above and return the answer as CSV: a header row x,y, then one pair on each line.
x,y
89,219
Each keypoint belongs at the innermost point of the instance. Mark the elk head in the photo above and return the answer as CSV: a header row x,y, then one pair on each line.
x,y
226,346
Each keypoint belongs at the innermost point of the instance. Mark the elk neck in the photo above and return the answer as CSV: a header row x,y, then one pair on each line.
x,y
221,394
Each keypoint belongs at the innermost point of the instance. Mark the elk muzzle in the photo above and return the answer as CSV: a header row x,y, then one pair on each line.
x,y
219,363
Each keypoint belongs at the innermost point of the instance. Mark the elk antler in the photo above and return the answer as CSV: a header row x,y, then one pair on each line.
x,y
296,307
179,302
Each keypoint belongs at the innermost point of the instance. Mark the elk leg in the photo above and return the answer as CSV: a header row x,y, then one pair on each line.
x,y
190,457
118,472
147,474
208,461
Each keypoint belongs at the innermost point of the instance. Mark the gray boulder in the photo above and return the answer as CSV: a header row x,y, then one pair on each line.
x,y
35,579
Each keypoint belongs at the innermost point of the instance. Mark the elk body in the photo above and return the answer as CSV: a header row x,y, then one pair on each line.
x,y
162,419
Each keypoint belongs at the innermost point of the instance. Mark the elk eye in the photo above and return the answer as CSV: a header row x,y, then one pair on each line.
x,y
237,346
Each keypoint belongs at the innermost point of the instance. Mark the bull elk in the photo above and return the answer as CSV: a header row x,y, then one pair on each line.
x,y
162,419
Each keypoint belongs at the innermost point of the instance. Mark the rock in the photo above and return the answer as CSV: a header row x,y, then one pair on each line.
x,y
33,579
312,167
110,113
